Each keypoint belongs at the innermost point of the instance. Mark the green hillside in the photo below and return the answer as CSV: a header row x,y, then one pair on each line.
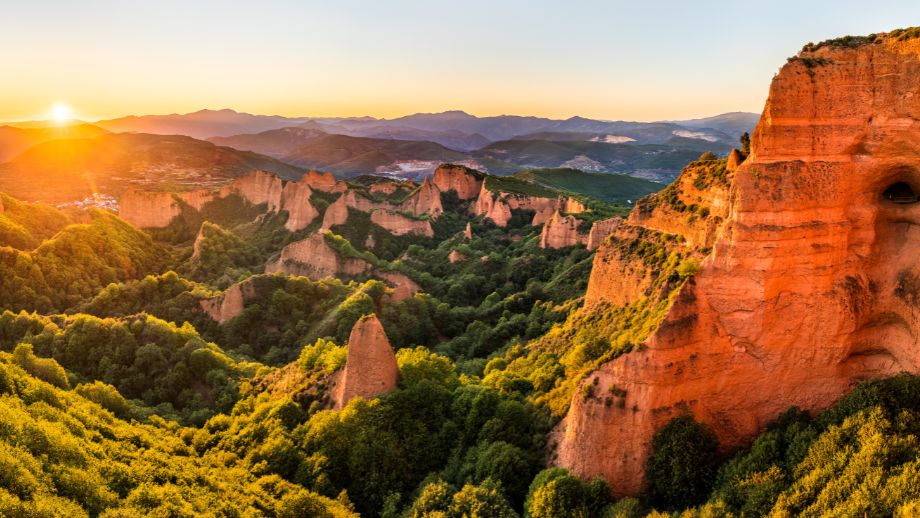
x,y
612,188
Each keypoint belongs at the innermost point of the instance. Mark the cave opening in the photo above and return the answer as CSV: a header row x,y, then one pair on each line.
x,y
901,193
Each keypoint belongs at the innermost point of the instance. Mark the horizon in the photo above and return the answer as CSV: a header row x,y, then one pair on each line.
x,y
51,120
603,61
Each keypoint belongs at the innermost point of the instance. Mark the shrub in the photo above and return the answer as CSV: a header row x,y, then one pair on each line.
x,y
682,467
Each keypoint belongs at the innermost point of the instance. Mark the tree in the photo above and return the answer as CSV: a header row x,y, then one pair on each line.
x,y
682,467
745,143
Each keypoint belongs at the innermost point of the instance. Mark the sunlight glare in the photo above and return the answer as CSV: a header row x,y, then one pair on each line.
x,y
61,112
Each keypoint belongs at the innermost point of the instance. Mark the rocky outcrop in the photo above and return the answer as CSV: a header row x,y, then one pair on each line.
x,y
561,232
320,181
462,180
370,369
295,199
400,225
811,284
600,230
257,187
336,213
230,303
148,209
313,257
403,287
426,200
491,206
694,206
468,232
198,199
385,187
455,257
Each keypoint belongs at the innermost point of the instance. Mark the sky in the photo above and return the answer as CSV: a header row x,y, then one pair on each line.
x,y
616,60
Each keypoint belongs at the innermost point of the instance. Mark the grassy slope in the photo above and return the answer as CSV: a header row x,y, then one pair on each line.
x,y
613,188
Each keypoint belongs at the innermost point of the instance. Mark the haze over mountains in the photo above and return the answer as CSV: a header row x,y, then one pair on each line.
x,y
214,146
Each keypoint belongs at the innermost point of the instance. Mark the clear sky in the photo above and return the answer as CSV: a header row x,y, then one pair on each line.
x,y
636,60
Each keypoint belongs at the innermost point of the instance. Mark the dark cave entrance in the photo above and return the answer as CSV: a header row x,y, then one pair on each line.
x,y
901,193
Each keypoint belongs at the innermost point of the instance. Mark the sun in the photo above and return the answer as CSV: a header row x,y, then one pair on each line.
x,y
60,112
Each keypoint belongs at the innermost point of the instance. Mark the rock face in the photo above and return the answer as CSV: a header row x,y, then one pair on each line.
x,y
812,282
465,182
468,232
312,257
158,209
600,230
561,232
336,213
230,304
403,287
491,206
427,200
400,225
295,199
319,181
148,209
455,257
257,187
371,368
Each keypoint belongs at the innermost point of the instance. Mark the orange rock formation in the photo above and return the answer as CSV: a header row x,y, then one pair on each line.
x,y
148,209
600,230
312,257
400,225
295,199
230,304
468,232
371,368
561,231
426,200
465,182
812,282
319,181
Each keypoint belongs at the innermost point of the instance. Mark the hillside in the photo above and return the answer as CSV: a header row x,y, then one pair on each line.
x,y
653,162
277,142
350,156
614,188
15,140
73,169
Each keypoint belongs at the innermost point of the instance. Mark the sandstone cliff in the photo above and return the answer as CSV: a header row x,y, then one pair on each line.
x,y
400,225
148,209
561,231
336,213
319,181
600,230
491,206
462,180
295,199
313,257
230,303
426,200
370,369
811,283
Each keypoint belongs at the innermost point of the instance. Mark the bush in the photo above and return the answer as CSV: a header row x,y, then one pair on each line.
x,y
682,467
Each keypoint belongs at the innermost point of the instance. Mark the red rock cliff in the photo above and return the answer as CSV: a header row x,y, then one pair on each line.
x,y
400,225
371,368
148,209
561,231
812,282
312,257
465,182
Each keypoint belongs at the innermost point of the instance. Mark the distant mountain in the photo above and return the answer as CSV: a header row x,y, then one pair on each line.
x,y
660,162
613,188
15,140
276,142
72,169
452,139
349,156
201,124
734,123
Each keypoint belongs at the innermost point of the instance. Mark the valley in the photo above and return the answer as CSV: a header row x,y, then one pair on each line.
x,y
442,315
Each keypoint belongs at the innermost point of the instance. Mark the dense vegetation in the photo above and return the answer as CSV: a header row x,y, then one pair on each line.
x,y
121,396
